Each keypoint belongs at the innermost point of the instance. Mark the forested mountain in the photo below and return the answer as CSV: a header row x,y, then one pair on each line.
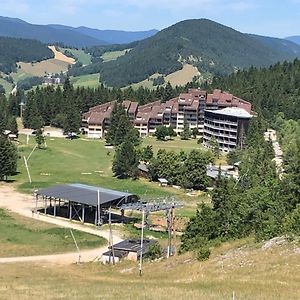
x,y
287,49
13,50
270,90
67,35
210,46
46,34
295,39
111,36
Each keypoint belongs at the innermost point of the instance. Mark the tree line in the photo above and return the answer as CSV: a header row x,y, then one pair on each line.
x,y
259,204
13,50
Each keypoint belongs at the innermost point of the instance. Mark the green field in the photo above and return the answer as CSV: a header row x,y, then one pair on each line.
x,y
113,55
89,161
80,55
91,80
20,236
239,270
172,145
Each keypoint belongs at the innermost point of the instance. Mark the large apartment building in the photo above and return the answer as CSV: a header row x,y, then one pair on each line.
x,y
227,127
188,108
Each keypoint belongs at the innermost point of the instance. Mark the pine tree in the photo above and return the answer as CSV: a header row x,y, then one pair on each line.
x,y
8,158
39,138
3,114
186,133
125,161
147,153
12,125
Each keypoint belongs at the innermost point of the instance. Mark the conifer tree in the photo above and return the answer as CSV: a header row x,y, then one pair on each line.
x,y
3,113
8,158
125,161
186,133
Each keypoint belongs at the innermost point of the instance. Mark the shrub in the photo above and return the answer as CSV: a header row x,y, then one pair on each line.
x,y
203,253
154,251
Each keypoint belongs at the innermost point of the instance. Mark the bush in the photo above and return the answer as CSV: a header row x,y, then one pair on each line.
x,y
203,253
154,251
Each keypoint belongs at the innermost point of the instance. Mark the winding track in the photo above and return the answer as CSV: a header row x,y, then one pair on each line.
x,y
22,204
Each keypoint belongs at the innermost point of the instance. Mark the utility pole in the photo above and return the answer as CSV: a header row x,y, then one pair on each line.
x,y
142,241
79,256
26,165
99,210
21,109
111,242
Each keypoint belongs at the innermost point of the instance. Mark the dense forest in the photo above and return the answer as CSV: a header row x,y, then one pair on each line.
x,y
13,50
210,46
259,204
270,90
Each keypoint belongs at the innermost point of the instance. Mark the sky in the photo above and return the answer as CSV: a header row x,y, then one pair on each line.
x,y
265,17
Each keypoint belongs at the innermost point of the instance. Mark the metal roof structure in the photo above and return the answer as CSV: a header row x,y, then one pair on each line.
x,y
86,194
134,245
232,111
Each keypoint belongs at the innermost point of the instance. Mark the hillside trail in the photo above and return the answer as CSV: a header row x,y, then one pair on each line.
x,y
22,204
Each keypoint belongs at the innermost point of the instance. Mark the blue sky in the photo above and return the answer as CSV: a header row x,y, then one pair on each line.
x,y
265,17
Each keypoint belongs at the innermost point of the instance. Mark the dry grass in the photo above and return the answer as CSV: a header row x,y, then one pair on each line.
x,y
60,56
182,76
249,272
44,67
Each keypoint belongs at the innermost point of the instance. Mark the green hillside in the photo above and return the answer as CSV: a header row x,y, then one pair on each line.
x,y
270,90
13,50
208,45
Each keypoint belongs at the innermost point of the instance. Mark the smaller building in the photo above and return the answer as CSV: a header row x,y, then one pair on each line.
x,y
129,249
227,127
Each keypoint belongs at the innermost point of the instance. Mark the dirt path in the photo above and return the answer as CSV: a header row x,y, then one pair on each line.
x,y
23,204
60,56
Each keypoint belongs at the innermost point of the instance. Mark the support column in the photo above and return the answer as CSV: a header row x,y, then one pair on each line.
x,y
36,203
96,215
70,213
54,207
45,205
82,215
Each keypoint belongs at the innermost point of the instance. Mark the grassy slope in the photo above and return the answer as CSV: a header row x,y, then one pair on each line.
x,y
66,161
113,55
91,80
80,55
248,272
21,236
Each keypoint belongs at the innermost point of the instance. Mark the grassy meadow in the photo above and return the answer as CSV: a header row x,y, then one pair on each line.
x,y
80,55
113,55
21,236
89,161
236,270
90,80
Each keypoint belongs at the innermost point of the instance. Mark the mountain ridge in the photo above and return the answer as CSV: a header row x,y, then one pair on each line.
x,y
70,36
212,47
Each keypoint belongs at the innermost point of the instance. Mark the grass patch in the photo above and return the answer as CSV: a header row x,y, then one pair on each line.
x,y
91,80
175,144
80,55
250,273
113,55
89,162
21,236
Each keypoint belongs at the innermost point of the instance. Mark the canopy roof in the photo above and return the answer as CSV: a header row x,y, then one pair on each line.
x,y
87,194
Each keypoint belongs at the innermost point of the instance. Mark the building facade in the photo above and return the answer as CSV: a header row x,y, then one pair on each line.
x,y
190,108
227,127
